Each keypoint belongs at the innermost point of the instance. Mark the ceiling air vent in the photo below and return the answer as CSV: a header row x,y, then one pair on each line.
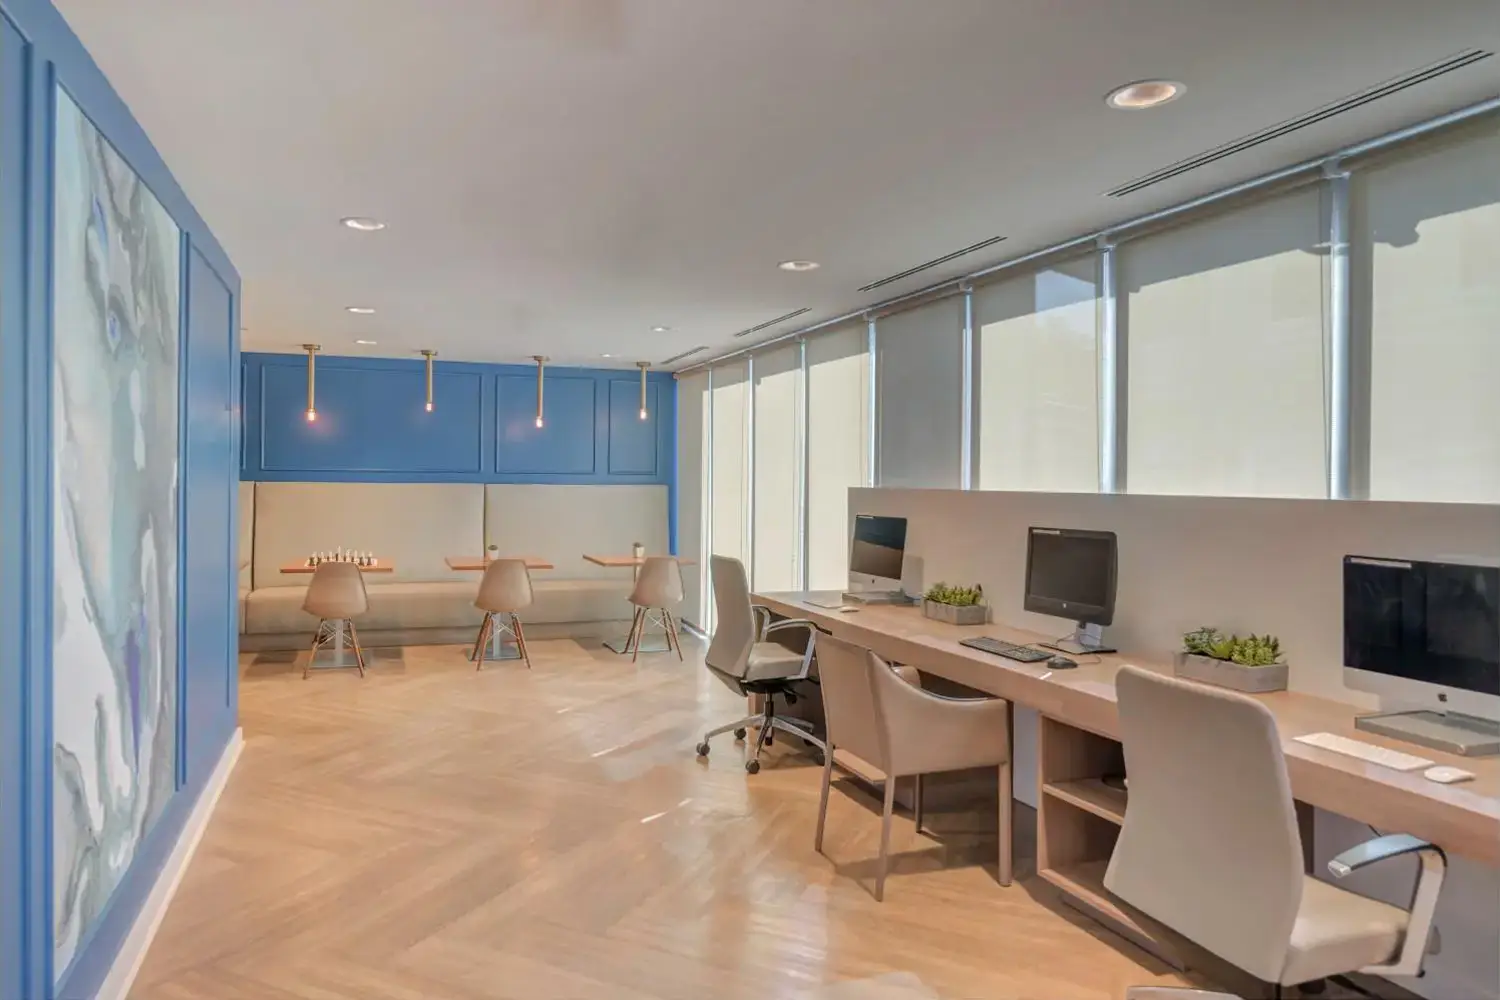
x,y
685,354
1454,62
771,322
945,258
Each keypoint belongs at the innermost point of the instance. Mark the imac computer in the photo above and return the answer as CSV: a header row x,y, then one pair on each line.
x,y
1070,573
1425,637
876,554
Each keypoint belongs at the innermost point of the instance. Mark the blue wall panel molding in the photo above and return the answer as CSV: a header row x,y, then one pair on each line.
x,y
372,425
37,53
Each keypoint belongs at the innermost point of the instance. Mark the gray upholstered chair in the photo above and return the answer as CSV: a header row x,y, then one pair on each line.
x,y
1210,847
741,658
658,589
505,589
336,596
879,716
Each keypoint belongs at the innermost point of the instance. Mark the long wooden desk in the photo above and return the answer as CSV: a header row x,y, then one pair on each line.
x,y
1078,816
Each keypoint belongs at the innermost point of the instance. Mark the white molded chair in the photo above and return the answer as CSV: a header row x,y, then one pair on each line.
x,y
743,660
878,715
505,589
1210,847
658,589
336,596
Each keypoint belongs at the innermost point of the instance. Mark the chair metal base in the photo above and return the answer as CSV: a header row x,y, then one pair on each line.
x,y
498,641
635,644
768,722
335,646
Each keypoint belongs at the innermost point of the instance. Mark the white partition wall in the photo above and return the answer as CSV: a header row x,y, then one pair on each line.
x,y
838,447
1037,406
919,399
1426,246
692,490
777,469
1223,322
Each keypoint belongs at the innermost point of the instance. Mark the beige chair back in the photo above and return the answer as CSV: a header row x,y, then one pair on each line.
x,y
505,587
1210,846
659,584
846,674
337,591
729,650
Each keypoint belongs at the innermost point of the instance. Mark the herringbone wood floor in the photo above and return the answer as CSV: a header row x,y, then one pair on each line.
x,y
433,832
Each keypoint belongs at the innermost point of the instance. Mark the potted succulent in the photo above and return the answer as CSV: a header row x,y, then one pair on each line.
x,y
1253,664
956,605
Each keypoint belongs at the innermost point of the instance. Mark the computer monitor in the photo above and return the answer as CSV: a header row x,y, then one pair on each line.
x,y
1070,573
1423,635
876,553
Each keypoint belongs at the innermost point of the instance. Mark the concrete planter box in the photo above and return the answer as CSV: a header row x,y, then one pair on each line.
x,y
953,614
1224,674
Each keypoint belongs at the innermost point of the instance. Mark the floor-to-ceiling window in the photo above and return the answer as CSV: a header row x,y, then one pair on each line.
x,y
919,398
777,480
838,446
693,435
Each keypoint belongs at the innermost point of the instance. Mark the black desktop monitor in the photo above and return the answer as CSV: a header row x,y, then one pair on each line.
x,y
1070,573
878,549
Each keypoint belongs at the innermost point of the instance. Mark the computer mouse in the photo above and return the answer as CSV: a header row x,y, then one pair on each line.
x,y
1062,663
1446,775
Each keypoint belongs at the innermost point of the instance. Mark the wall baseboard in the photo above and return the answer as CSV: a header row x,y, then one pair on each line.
x,y
127,963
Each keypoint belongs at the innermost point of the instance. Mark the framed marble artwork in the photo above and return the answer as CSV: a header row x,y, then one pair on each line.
x,y
115,468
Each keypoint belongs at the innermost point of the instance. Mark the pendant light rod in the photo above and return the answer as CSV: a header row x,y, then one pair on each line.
x,y
541,362
429,355
312,379
643,365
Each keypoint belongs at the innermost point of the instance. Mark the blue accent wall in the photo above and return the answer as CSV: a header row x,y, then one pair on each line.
x,y
372,425
37,53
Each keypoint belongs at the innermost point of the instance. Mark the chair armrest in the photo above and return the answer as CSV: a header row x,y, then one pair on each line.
x,y
762,615
1434,864
1392,845
791,623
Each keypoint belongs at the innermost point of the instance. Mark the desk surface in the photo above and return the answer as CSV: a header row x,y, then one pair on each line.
x,y
1462,818
384,566
625,562
480,562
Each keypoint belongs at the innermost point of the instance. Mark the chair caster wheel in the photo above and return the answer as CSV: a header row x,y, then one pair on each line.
x,y
752,767
739,734
819,758
703,749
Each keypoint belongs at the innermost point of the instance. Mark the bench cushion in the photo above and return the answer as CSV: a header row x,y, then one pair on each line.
x,y
405,605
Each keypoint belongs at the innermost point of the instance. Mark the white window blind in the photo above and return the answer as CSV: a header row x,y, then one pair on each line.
x,y
729,485
920,370
1427,234
692,490
838,447
1038,399
1225,354
777,498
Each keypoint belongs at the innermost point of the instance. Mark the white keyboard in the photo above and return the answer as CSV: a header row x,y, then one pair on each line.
x,y
1394,759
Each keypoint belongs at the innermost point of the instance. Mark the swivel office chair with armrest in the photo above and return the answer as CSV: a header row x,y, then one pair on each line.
x,y
741,658
1210,848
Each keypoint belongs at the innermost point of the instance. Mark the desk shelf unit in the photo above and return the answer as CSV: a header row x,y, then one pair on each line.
x,y
1078,822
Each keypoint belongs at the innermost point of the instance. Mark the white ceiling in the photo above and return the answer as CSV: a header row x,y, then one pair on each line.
x,y
559,176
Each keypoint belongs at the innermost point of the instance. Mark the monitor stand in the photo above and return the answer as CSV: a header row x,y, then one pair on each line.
x,y
875,597
1086,639
1454,732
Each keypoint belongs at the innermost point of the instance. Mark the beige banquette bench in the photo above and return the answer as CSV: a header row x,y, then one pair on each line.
x,y
414,526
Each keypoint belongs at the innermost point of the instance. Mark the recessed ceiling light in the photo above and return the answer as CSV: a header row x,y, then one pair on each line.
x,y
799,265
606,355
660,329
363,223
361,310
367,343
1144,94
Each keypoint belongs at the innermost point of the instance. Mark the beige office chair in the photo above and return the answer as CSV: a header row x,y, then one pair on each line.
x,y
505,589
336,596
658,589
742,659
1210,847
907,732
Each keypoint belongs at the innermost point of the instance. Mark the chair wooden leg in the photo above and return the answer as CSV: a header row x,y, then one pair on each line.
x,y
630,637
1006,863
515,625
918,803
479,642
359,654
674,640
318,635
640,634
823,799
885,837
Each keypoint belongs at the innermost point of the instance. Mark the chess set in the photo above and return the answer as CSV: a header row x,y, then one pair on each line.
x,y
342,555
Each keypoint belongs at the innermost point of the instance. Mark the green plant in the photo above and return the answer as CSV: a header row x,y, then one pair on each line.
x,y
1253,651
962,597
